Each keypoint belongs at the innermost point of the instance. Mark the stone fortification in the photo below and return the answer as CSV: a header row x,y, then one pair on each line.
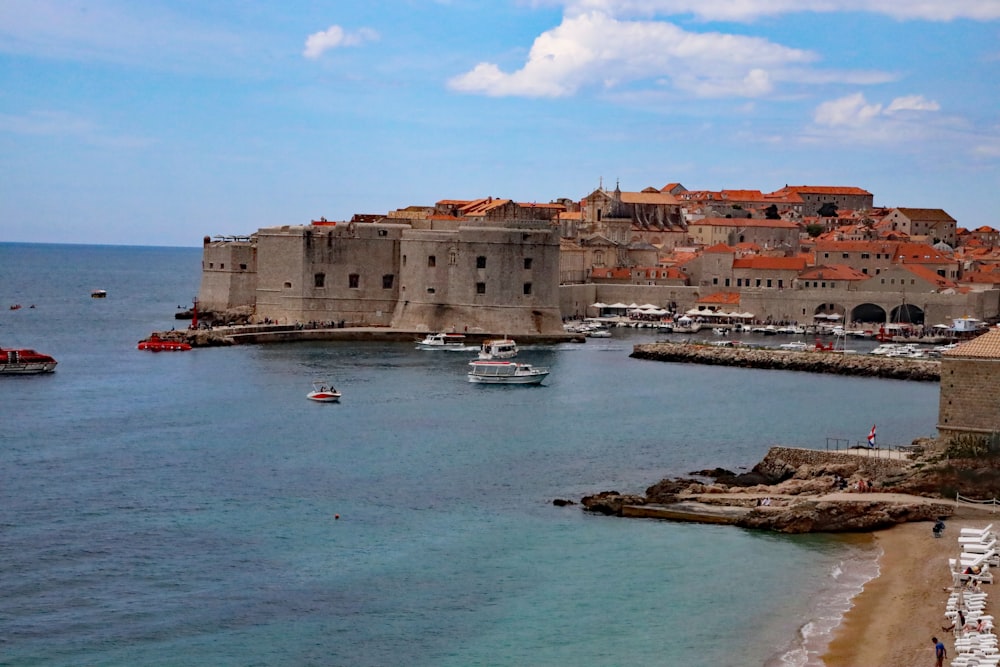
x,y
815,362
499,277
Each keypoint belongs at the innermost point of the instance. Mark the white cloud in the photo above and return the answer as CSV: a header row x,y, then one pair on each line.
x,y
912,103
853,119
746,10
336,37
596,49
850,110
854,110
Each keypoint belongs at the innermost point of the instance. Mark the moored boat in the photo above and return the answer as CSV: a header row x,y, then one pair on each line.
x,y
505,372
157,344
23,361
323,392
98,294
442,341
498,348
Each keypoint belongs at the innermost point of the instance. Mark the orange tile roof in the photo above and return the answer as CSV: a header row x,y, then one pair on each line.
x,y
827,190
926,214
720,248
833,272
743,222
661,198
742,195
986,346
930,276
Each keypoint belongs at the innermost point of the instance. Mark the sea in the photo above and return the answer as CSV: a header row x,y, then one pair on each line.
x,y
193,508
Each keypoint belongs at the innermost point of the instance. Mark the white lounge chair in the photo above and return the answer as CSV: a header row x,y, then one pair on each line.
x,y
976,531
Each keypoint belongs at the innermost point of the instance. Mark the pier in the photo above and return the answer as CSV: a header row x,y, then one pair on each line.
x,y
835,362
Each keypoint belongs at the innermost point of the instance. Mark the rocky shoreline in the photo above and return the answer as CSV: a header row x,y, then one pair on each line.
x,y
806,491
811,361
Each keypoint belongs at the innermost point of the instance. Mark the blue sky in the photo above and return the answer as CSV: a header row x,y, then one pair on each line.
x,y
157,123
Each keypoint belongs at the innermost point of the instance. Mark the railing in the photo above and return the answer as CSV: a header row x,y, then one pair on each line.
x,y
839,444
959,498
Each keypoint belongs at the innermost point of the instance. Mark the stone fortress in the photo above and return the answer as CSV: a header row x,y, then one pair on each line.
x,y
493,274
495,266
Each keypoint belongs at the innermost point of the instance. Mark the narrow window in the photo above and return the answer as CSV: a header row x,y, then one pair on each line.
x,y
481,262
288,285
431,260
480,288
319,280
222,266
383,232
768,282
243,267
353,280
527,262
527,288
387,281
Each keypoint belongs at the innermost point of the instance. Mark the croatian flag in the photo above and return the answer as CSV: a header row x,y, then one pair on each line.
x,y
871,437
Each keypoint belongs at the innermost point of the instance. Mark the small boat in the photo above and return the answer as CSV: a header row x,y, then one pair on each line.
x,y
498,348
157,344
323,392
442,341
98,294
15,306
505,372
796,346
25,362
598,332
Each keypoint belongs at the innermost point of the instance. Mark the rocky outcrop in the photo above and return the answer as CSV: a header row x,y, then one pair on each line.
x,y
815,516
806,491
812,362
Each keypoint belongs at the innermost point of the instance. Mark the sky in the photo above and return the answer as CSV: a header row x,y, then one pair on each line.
x,y
161,122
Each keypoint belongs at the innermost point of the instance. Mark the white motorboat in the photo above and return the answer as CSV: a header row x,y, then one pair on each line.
x,y
598,332
797,346
442,341
323,392
505,372
498,348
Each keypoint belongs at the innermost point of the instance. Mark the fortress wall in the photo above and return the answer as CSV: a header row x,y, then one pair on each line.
x,y
501,278
228,275
870,464
339,273
970,402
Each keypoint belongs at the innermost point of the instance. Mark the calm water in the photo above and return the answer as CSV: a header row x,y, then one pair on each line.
x,y
169,509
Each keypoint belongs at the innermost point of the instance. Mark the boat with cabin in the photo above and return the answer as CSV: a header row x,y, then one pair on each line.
x,y
442,341
498,348
505,372
24,361
99,294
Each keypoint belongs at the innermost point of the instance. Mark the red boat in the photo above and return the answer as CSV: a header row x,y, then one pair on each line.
x,y
25,362
157,344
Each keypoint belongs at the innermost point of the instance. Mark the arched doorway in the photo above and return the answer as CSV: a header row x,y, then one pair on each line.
x,y
868,313
907,313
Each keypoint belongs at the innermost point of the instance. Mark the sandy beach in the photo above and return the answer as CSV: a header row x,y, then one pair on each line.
x,y
895,616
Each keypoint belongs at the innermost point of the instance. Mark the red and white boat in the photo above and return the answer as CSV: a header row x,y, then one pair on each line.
x,y
323,392
157,344
25,362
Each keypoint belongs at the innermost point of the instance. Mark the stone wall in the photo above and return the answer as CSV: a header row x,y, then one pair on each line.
x,y
871,463
970,402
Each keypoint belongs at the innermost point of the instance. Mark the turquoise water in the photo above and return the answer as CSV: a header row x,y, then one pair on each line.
x,y
166,509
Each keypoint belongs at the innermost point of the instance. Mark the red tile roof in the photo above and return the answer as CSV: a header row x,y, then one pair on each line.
x,y
833,272
986,346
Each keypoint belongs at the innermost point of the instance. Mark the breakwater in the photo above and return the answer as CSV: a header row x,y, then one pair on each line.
x,y
811,361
